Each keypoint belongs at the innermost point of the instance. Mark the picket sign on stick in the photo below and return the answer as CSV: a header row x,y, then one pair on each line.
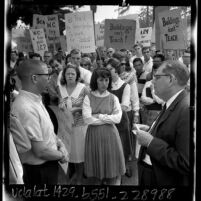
x,y
38,41
80,31
50,24
143,36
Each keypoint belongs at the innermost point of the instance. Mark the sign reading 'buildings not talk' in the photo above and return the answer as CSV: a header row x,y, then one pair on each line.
x,y
119,33
173,30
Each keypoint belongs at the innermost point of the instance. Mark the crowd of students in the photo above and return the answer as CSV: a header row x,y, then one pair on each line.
x,y
82,115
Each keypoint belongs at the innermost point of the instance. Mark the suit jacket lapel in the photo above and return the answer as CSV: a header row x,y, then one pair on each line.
x,y
169,110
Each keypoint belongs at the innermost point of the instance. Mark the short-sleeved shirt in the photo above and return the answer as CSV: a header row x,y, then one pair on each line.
x,y
33,116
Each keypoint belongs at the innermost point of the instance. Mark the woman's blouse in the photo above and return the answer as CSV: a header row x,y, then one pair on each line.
x,y
101,119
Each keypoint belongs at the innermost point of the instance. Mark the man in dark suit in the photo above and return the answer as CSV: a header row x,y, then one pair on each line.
x,y
164,153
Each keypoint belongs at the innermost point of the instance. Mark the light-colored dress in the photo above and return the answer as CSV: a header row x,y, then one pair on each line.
x,y
104,156
78,127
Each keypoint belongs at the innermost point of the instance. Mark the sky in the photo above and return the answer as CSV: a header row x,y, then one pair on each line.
x,y
109,12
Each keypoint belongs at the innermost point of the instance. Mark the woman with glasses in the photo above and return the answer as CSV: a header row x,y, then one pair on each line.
x,y
122,90
72,94
86,63
129,76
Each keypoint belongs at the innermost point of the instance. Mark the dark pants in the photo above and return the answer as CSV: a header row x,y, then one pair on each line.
x,y
146,176
46,173
133,137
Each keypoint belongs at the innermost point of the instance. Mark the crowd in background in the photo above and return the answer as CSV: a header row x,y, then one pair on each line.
x,y
84,96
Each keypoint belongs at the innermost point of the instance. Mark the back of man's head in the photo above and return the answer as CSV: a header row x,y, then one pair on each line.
x,y
178,69
28,67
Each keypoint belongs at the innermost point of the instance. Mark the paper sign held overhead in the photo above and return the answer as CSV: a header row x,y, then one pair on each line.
x,y
80,31
38,41
144,36
50,25
119,33
173,31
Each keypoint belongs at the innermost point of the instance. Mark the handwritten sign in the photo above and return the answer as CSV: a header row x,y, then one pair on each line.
x,y
50,24
144,36
38,41
22,38
172,29
99,34
119,33
80,31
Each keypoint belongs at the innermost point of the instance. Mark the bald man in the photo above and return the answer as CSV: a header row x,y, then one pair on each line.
x,y
40,162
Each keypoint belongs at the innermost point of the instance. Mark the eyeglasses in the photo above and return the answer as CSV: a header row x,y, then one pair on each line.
x,y
123,64
157,76
83,64
146,52
47,74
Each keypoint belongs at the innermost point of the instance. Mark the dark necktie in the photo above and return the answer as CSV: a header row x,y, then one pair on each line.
x,y
157,119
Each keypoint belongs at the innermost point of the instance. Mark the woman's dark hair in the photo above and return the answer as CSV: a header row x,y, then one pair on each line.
x,y
115,63
100,72
161,56
128,68
137,59
63,78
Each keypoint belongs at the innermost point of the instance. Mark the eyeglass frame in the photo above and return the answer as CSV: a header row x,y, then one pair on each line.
x,y
49,74
157,76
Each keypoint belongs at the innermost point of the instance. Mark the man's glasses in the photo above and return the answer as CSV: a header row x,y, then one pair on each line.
x,y
146,52
157,76
123,64
47,74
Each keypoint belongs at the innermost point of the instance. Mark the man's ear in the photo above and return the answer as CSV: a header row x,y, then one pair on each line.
x,y
34,79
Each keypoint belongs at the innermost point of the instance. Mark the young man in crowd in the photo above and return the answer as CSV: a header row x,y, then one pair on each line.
x,y
148,62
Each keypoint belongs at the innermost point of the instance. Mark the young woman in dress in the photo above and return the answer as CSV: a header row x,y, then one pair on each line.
x,y
122,90
104,159
72,95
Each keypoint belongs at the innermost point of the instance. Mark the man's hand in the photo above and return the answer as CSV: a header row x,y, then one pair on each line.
x,y
65,154
144,138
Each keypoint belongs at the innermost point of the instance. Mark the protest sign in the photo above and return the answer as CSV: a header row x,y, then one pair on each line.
x,y
99,34
38,41
172,30
119,33
144,36
39,22
23,40
80,31
50,24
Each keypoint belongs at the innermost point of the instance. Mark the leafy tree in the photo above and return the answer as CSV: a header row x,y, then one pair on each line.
x,y
146,16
